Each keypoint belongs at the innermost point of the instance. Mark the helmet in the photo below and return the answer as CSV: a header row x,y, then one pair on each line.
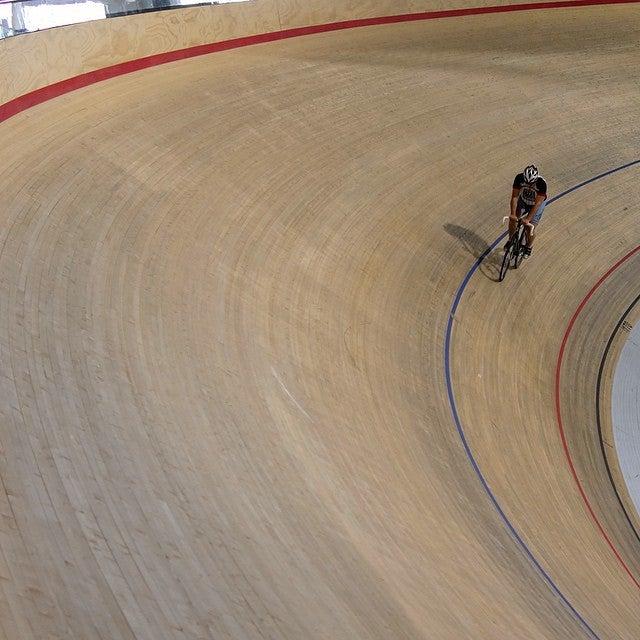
x,y
531,173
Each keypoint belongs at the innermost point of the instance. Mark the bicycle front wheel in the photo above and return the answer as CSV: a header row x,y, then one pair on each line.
x,y
504,267
517,258
518,249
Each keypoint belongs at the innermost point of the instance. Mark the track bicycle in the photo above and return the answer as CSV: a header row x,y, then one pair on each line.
x,y
514,254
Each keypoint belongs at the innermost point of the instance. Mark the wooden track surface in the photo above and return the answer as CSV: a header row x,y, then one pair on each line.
x,y
36,60
225,289
622,437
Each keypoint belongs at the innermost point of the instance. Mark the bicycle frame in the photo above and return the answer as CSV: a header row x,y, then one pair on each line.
x,y
513,255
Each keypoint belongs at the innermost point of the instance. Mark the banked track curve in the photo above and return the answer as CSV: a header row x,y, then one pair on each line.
x,y
616,477
223,410
451,395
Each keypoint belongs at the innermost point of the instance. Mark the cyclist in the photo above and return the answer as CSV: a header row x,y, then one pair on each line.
x,y
528,199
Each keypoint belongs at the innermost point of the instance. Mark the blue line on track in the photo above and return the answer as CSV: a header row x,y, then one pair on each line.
x,y
456,418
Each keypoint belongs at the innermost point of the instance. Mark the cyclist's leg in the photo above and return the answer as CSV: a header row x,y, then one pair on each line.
x,y
513,225
535,222
523,211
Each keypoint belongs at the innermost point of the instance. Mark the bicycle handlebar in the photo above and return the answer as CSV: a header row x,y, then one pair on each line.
x,y
526,224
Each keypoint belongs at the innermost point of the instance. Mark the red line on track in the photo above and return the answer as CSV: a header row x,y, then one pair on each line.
x,y
567,452
28,100
33,98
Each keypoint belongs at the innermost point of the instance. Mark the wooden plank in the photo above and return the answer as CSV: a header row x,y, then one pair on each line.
x,y
226,283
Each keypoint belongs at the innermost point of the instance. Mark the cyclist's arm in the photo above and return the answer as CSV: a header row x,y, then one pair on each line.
x,y
515,194
540,198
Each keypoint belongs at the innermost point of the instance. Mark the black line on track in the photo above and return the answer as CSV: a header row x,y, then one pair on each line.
x,y
603,362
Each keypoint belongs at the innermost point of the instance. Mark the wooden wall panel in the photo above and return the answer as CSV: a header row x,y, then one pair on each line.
x,y
35,60
180,28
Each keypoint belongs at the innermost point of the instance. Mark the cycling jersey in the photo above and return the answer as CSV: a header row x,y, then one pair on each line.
x,y
528,192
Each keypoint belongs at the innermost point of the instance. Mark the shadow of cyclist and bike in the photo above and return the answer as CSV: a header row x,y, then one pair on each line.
x,y
477,246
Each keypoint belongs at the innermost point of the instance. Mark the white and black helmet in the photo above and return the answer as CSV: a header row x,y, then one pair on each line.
x,y
531,173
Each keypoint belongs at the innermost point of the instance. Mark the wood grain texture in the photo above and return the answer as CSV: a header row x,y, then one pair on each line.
x,y
35,60
538,305
297,13
226,284
39,59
